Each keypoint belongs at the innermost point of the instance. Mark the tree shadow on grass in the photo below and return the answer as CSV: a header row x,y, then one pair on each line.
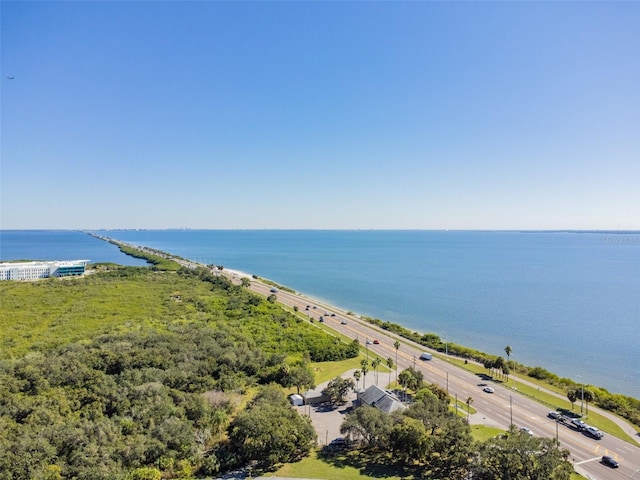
x,y
371,463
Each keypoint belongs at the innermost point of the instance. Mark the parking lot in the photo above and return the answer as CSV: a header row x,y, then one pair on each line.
x,y
325,418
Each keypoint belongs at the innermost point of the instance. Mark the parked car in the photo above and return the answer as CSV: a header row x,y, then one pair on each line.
x,y
339,442
609,462
488,389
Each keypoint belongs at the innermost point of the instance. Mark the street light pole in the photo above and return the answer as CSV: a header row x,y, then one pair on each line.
x,y
511,409
446,344
581,394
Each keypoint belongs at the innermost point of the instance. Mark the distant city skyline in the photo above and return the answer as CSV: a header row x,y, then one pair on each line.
x,y
320,115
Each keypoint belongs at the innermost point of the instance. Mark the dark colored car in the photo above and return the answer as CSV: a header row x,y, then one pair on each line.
x,y
339,443
609,462
376,342
578,424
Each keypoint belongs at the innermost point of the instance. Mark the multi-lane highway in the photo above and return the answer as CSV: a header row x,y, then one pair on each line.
x,y
501,408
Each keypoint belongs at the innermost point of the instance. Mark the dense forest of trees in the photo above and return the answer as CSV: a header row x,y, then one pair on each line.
x,y
160,397
140,374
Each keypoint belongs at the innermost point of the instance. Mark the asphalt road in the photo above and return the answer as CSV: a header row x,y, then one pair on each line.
x,y
500,409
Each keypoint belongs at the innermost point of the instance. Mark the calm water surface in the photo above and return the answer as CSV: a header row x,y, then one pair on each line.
x,y
569,302
60,245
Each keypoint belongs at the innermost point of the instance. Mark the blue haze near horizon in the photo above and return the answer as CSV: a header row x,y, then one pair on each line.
x,y
569,302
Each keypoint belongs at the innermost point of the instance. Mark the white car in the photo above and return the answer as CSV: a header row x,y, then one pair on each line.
x,y
488,389
526,430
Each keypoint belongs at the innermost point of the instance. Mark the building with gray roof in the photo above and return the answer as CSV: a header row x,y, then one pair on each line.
x,y
383,400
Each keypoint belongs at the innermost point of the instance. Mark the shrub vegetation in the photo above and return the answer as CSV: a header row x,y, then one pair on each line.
x,y
136,373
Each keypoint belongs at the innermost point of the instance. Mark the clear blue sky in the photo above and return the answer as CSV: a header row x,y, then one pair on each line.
x,y
401,115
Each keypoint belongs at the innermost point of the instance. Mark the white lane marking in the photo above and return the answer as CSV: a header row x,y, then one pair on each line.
x,y
588,460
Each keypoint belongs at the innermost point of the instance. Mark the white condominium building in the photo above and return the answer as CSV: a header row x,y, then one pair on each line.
x,y
35,270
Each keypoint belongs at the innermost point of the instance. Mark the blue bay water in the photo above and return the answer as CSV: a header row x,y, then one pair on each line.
x,y
569,302
60,245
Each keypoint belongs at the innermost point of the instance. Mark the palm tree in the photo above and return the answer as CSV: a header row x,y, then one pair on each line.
x,y
390,365
572,396
374,364
508,351
357,375
405,378
588,397
364,367
468,402
498,363
396,344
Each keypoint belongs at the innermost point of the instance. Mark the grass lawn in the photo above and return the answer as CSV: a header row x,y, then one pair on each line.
x,y
314,467
481,433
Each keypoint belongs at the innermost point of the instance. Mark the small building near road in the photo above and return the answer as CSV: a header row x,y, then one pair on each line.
x,y
296,400
383,400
